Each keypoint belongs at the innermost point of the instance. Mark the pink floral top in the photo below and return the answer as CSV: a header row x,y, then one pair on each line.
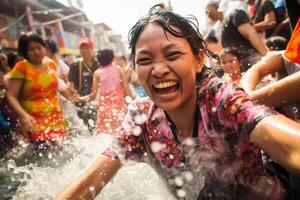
x,y
219,164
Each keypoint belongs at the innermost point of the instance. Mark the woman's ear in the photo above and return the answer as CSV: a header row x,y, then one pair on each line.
x,y
200,60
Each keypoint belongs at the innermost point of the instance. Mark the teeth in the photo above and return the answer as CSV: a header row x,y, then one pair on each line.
x,y
165,84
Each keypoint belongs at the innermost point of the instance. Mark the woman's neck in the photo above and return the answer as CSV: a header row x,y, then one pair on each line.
x,y
183,118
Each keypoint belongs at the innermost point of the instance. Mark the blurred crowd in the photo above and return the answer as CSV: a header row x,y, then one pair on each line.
x,y
46,98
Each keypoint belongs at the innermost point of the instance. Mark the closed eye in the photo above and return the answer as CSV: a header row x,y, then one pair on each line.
x,y
144,61
173,55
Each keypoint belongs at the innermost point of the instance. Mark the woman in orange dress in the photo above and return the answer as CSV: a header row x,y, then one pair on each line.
x,y
32,92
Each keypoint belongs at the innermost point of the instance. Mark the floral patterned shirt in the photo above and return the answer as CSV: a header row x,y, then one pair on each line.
x,y
220,163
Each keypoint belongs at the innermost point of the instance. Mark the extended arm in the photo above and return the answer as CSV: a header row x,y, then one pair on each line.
x,y
279,137
249,32
268,22
270,63
96,177
125,82
281,93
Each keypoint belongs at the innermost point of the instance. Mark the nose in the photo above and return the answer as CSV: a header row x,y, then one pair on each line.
x,y
160,68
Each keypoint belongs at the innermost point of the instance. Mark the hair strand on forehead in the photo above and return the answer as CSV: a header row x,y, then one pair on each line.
x,y
175,24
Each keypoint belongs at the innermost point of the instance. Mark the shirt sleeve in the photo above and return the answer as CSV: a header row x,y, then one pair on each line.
x,y
236,111
63,68
239,17
18,72
129,143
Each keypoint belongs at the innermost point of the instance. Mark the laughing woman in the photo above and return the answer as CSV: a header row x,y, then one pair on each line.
x,y
202,135
32,92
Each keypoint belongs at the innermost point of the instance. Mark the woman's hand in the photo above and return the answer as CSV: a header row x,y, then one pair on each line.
x,y
28,122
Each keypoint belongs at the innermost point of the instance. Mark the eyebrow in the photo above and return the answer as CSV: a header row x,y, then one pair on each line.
x,y
166,48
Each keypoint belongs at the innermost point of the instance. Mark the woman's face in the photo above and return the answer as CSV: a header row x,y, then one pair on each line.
x,y
230,64
36,52
166,67
3,59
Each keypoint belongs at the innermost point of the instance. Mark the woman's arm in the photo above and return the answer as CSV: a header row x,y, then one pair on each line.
x,y
249,32
14,88
270,63
268,22
279,137
125,82
94,90
92,181
281,93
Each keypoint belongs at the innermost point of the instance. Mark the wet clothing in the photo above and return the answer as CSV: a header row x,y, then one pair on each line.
x,y
231,37
81,76
38,97
111,103
219,162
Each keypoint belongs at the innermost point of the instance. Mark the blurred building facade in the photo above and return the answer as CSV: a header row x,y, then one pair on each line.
x,y
64,21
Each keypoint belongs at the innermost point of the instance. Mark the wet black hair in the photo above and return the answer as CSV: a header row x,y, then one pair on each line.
x,y
231,50
24,41
175,24
51,45
276,43
105,57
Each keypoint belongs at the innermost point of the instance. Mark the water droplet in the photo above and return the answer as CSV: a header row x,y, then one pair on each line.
x,y
214,109
181,193
156,147
92,188
128,99
140,119
178,181
136,131
11,165
91,122
188,176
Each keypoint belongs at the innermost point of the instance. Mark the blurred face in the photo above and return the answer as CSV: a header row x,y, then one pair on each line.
x,y
212,12
49,53
166,68
230,64
3,59
86,52
36,52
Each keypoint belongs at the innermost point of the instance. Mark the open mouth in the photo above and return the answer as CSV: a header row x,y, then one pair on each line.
x,y
166,87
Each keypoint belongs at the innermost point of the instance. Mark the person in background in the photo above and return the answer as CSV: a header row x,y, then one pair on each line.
x,y
110,84
52,52
121,60
283,94
66,95
4,62
5,126
81,80
13,58
263,16
32,92
276,43
231,62
237,30
203,136
68,59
